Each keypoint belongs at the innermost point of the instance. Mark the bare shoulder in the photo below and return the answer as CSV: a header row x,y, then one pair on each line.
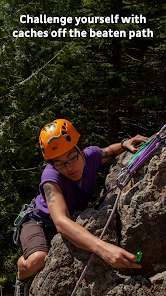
x,y
55,201
51,186
52,192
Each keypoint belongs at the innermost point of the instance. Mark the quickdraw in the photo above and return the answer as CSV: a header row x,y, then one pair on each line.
x,y
23,215
146,150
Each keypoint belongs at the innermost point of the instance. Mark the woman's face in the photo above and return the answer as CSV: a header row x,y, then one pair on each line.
x,y
72,170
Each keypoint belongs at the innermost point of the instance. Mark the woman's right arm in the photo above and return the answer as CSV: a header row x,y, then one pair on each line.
x,y
79,236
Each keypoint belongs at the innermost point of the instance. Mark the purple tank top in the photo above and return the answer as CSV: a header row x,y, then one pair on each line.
x,y
76,196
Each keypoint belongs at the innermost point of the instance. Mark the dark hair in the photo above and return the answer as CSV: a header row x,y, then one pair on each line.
x,y
80,145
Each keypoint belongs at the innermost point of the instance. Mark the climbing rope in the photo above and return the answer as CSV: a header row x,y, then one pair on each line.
x,y
146,150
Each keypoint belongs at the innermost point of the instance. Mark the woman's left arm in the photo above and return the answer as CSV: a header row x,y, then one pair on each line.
x,y
113,150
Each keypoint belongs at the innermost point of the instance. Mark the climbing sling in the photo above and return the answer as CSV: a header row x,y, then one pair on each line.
x,y
146,150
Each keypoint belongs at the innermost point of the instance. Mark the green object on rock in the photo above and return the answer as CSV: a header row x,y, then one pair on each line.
x,y
139,256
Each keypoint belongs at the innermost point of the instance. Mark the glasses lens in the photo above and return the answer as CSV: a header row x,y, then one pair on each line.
x,y
62,165
59,166
73,159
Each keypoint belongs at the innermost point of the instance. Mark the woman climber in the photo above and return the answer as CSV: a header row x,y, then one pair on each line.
x,y
67,184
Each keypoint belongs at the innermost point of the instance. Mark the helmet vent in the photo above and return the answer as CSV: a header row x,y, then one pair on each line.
x,y
64,133
68,138
42,149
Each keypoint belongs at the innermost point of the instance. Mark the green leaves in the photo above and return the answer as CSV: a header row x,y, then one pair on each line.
x,y
107,87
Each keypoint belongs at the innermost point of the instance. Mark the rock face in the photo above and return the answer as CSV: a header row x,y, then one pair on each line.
x,y
138,225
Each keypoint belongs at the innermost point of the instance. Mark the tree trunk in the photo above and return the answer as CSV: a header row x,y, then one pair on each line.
x,y
115,83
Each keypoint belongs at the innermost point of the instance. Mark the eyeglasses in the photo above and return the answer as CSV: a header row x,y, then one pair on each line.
x,y
63,164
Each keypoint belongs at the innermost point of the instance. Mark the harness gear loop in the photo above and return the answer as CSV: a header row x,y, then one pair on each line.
x,y
24,213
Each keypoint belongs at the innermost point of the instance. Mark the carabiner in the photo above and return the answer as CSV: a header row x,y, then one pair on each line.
x,y
161,130
124,172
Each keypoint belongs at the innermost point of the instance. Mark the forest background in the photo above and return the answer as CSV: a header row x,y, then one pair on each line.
x,y
109,88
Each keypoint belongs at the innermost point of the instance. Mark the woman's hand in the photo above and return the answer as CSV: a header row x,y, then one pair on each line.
x,y
131,143
113,150
118,257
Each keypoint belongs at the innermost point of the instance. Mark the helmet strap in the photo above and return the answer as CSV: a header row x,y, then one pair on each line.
x,y
81,154
80,183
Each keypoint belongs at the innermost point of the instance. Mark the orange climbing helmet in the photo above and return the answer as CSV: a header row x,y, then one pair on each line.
x,y
57,138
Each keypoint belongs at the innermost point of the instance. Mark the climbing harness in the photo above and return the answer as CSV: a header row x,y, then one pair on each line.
x,y
146,150
23,215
